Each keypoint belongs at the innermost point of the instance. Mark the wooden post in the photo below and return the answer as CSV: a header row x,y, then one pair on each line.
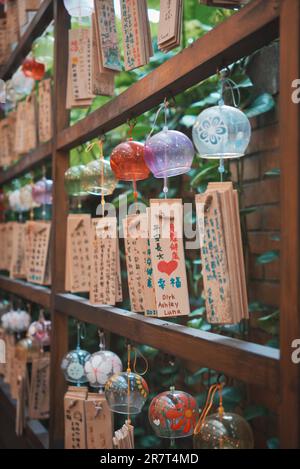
x,y
289,416
60,163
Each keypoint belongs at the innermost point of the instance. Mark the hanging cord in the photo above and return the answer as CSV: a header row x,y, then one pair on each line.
x,y
137,354
131,124
227,83
208,405
90,147
31,213
164,106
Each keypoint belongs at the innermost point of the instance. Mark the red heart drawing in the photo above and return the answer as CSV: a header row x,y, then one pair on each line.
x,y
167,267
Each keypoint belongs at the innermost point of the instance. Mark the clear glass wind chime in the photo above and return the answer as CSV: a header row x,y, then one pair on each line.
x,y
222,132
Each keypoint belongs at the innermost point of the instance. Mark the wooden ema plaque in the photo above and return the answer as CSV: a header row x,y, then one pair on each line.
x,y
45,110
170,24
105,284
17,266
107,35
75,428
39,399
78,260
134,261
103,80
167,254
98,418
37,244
136,33
222,254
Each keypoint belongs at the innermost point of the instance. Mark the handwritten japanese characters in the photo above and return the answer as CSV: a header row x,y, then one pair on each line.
x,y
17,265
136,33
39,398
98,422
105,285
45,110
78,260
167,255
107,34
102,80
37,251
75,428
170,24
222,254
79,85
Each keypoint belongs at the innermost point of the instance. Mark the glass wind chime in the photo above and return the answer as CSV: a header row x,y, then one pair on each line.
x,y
222,132
128,161
221,430
126,392
169,152
74,362
98,177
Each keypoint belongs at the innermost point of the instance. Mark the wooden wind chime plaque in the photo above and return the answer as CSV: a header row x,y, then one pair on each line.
x,y
39,399
133,228
75,428
107,35
37,252
17,266
79,85
78,259
168,261
170,24
45,110
98,419
136,33
222,254
105,285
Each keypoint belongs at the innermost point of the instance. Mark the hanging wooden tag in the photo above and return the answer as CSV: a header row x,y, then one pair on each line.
x,y
214,259
167,254
10,343
17,267
8,252
12,22
98,422
39,388
222,255
143,247
103,81
45,110
80,49
75,427
20,135
104,261
170,24
108,38
78,253
135,31
134,262
40,237
30,123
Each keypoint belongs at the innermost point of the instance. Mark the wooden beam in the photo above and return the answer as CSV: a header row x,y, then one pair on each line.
x,y
251,28
233,357
37,26
27,162
289,417
60,162
28,291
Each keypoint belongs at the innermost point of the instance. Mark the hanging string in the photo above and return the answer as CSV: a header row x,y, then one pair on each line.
x,y
227,83
31,215
131,124
128,382
44,204
137,354
208,405
164,106
90,147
